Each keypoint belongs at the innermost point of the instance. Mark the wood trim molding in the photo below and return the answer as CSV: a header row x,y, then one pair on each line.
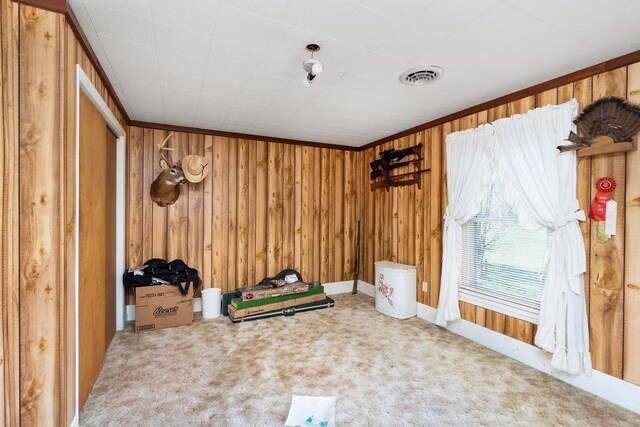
x,y
58,6
173,128
82,39
602,67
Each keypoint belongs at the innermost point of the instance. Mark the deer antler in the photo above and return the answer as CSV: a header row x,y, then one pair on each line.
x,y
161,147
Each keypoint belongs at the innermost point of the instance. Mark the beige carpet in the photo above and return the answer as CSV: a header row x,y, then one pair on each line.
x,y
384,372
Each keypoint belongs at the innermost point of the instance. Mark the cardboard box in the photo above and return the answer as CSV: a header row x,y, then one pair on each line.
x,y
270,290
162,306
236,314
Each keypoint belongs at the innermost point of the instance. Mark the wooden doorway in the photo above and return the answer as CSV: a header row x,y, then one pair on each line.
x,y
96,243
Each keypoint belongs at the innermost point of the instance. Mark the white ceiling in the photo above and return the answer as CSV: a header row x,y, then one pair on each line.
x,y
236,65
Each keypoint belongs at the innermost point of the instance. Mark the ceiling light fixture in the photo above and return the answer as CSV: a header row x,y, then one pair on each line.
x,y
312,66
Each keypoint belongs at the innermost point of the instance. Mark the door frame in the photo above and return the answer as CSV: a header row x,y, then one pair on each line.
x,y
83,83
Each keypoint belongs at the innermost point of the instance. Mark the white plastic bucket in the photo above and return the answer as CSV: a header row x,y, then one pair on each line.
x,y
211,302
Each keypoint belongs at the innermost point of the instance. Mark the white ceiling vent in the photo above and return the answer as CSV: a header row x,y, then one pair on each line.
x,y
421,76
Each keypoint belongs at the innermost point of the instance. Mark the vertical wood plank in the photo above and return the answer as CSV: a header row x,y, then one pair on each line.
x,y
135,166
435,232
68,326
370,233
242,272
423,221
325,230
362,193
631,368
274,227
607,259
9,185
317,206
251,227
378,208
350,212
387,220
523,105
195,213
298,200
387,230
519,329
177,228
338,195
548,97
416,249
306,241
41,215
147,203
232,215
393,239
331,218
565,93
288,206
159,214
219,222
207,204
409,217
261,212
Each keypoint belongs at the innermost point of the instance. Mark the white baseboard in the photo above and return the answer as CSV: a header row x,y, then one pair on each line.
x,y
329,288
366,288
338,287
347,287
75,423
613,389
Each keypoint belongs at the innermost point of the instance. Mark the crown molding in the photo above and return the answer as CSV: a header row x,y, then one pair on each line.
x,y
58,6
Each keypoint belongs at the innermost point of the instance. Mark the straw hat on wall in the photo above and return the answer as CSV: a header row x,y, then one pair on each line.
x,y
195,168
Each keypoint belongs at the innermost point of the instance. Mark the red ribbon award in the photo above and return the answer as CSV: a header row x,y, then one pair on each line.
x,y
605,187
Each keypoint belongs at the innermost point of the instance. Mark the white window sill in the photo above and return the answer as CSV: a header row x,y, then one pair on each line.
x,y
512,309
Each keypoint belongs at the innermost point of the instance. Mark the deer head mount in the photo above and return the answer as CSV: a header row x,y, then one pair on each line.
x,y
165,190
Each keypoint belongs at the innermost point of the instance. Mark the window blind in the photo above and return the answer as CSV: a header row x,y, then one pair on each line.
x,y
503,264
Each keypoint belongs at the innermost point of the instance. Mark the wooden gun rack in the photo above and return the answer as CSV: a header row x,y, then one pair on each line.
x,y
385,168
399,180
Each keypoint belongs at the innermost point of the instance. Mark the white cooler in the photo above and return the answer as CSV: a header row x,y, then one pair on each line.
x,y
395,289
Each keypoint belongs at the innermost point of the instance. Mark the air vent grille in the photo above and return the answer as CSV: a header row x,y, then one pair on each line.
x,y
421,76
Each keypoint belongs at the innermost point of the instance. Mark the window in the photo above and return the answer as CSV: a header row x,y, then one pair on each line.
x,y
503,264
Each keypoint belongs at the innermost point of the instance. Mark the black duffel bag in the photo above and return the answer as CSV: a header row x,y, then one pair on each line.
x,y
157,271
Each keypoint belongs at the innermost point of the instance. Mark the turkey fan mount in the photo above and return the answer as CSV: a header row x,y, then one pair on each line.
x,y
606,126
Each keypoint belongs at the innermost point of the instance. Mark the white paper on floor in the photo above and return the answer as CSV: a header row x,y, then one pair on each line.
x,y
319,411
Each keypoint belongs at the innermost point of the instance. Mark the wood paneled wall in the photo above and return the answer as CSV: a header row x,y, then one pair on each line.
x,y
264,207
48,52
405,225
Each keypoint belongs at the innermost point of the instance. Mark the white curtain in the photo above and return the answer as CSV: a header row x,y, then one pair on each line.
x,y
467,173
540,185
